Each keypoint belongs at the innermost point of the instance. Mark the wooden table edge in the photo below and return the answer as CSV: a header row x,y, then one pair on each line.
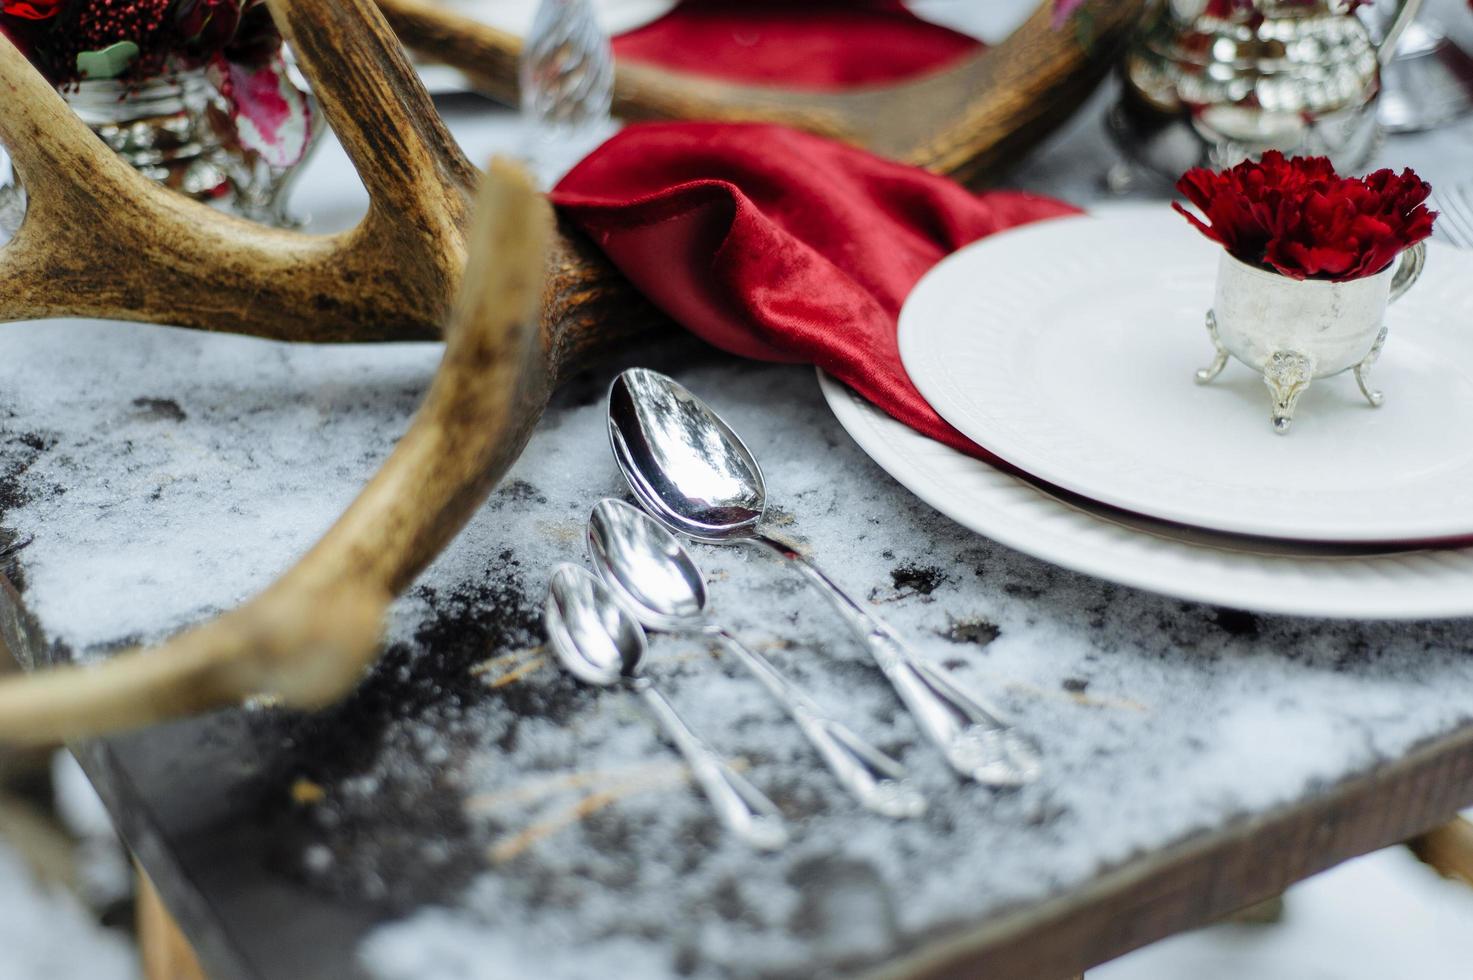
x,y
1203,878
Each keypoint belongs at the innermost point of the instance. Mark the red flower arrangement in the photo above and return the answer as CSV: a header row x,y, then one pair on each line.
x,y
1298,218
69,40
31,9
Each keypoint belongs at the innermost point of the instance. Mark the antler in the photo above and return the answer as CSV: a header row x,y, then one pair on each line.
x,y
969,120
308,637
101,240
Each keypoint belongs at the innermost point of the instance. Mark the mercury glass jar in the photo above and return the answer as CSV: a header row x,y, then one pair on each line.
x,y
1212,84
167,128
178,130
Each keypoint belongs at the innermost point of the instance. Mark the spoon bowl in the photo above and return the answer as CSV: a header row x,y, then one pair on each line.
x,y
683,462
647,567
600,642
694,474
594,637
643,563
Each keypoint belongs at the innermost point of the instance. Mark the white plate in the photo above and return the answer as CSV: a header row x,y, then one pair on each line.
x,y
1068,348
1266,576
515,16
997,19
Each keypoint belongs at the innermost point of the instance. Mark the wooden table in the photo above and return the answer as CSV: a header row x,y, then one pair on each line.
x,y
469,809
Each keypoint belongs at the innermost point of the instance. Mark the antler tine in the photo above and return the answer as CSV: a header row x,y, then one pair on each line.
x,y
308,636
414,171
489,56
1029,74
100,240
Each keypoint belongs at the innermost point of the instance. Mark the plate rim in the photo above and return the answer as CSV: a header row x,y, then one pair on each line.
x,y
1365,588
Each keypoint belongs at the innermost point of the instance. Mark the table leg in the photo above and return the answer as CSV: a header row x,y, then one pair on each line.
x,y
1448,849
17,761
166,954
1264,913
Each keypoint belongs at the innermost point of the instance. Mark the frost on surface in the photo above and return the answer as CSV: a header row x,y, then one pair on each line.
x,y
511,822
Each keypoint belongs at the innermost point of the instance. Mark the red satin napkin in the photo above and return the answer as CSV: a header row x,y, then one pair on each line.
x,y
816,44
779,245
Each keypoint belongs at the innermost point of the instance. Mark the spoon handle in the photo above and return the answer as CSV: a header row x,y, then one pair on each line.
x,y
975,740
740,805
875,779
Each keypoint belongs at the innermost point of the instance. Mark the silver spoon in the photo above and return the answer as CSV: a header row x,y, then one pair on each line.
x,y
658,580
599,642
693,474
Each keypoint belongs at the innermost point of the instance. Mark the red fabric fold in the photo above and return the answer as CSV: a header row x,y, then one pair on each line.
x,y
821,45
783,246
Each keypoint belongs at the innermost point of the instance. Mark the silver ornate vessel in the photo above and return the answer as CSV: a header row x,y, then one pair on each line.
x,y
178,130
1203,89
163,128
1293,331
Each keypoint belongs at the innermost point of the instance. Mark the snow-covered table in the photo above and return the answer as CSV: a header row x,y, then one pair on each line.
x,y
471,812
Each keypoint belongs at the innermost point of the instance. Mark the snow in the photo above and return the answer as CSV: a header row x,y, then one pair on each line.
x,y
46,934
147,518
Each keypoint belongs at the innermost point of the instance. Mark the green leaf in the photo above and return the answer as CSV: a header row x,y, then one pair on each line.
x,y
110,62
1084,28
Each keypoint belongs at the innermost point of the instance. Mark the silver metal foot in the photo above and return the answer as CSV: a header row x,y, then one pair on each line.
x,y
1219,362
1375,397
1287,375
1120,179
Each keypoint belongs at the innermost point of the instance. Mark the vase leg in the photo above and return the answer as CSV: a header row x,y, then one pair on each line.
x,y
1219,362
1287,375
1375,397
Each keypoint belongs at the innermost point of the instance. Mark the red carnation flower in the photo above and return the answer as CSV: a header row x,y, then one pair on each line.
x,y
31,9
169,34
1298,218
23,21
